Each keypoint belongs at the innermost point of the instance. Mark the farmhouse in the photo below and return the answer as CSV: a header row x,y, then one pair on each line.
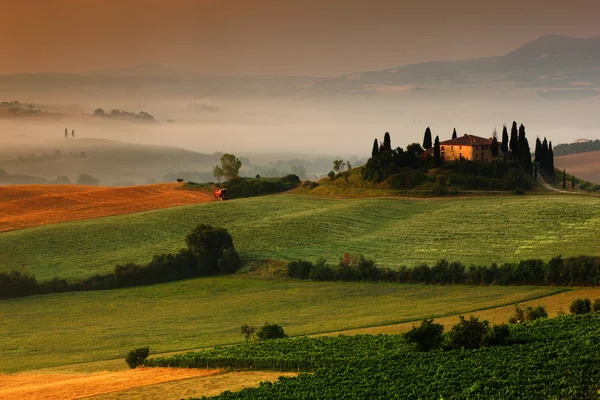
x,y
469,147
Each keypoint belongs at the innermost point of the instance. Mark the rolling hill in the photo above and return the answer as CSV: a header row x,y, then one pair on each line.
x,y
583,165
392,231
33,205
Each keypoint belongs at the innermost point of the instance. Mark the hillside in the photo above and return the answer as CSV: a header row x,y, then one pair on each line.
x,y
34,205
112,162
392,231
583,165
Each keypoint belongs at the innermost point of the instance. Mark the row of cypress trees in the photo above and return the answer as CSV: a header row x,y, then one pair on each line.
x,y
544,155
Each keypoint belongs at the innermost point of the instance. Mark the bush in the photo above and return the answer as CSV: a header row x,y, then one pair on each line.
x,y
299,269
497,336
136,357
331,174
468,334
518,316
17,284
531,313
248,331
581,306
179,180
270,331
596,306
427,336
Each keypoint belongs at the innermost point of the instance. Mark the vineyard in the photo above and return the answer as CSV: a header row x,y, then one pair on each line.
x,y
547,359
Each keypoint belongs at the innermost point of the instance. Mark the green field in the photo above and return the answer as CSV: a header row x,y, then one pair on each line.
x,y
42,331
392,231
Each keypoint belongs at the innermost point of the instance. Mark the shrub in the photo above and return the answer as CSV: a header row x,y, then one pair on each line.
x,y
299,269
179,180
468,334
581,306
248,331
136,357
17,284
596,305
321,271
270,331
427,336
497,336
531,313
518,316
331,174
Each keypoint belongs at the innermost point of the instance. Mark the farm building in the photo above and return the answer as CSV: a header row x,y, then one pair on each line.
x,y
469,147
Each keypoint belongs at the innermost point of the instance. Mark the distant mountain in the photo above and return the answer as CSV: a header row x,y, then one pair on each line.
x,y
550,62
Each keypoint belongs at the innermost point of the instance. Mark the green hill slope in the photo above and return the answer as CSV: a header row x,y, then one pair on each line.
x,y
392,231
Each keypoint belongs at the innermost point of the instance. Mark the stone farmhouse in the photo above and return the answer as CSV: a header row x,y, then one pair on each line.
x,y
468,147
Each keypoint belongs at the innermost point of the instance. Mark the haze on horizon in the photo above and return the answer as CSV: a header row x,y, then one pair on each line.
x,y
247,37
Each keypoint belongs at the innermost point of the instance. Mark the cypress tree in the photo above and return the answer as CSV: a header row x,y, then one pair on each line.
x,y
573,182
544,157
454,135
494,147
427,139
550,159
525,154
564,179
514,141
437,154
538,150
375,151
504,145
387,142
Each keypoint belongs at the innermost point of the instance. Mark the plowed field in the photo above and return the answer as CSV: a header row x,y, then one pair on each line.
x,y
24,206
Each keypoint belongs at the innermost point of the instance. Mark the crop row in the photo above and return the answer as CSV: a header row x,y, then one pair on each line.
x,y
548,359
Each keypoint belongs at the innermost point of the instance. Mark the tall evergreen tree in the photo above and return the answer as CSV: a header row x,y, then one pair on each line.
x,y
544,156
525,156
550,159
454,135
504,145
494,147
564,178
514,141
538,150
375,151
573,182
427,139
437,154
387,142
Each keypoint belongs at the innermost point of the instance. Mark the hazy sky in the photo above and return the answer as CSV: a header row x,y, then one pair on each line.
x,y
301,37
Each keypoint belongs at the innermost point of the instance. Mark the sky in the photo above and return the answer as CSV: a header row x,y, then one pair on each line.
x,y
290,37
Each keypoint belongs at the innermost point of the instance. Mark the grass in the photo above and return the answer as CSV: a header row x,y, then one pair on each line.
x,y
59,329
394,232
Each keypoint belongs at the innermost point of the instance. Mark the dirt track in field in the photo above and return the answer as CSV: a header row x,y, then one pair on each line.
x,y
143,383
25,206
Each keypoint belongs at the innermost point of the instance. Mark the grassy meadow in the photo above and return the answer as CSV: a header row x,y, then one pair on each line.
x,y
43,331
394,232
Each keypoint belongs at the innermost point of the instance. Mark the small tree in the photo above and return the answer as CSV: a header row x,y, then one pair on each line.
x,y
218,173
518,316
581,306
85,179
230,166
270,331
468,334
494,147
338,166
564,178
213,250
531,313
248,331
427,336
179,180
331,174
573,182
136,357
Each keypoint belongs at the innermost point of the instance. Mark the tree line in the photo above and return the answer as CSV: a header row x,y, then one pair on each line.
x,y
210,251
571,271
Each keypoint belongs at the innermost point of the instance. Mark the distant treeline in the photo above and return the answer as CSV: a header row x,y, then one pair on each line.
x,y
573,148
209,252
249,187
571,271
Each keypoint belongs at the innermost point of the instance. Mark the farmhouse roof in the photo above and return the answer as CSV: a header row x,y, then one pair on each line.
x,y
467,140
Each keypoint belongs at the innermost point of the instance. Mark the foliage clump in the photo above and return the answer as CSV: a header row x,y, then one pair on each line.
x,y
427,336
135,358
270,331
581,306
